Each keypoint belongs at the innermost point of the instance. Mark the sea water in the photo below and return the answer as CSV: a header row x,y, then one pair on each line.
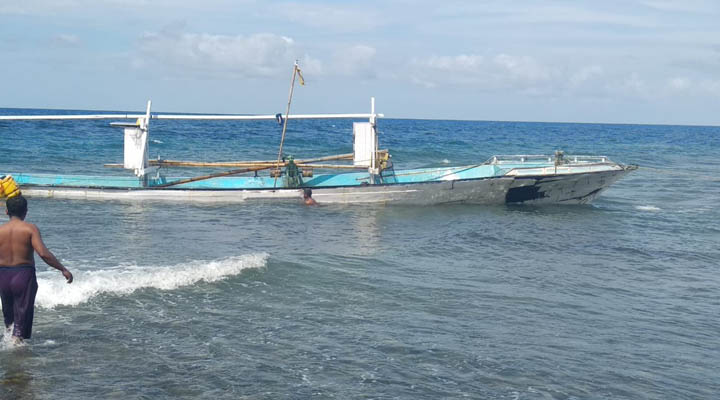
x,y
262,300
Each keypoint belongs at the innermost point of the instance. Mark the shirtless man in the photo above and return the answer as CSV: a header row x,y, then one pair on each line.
x,y
18,286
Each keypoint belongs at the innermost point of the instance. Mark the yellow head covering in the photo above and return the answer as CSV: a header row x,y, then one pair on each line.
x,y
8,187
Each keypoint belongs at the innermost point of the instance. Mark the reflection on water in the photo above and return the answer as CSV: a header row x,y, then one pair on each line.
x,y
16,379
366,231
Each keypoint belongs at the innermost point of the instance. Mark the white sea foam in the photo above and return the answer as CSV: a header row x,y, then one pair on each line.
x,y
156,141
446,161
647,208
54,291
7,342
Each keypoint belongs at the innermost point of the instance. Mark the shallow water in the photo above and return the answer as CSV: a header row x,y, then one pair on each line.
x,y
618,299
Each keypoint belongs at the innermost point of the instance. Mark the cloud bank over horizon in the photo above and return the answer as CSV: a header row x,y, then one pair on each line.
x,y
652,61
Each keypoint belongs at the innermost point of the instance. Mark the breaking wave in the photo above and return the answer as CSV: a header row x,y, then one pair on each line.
x,y
53,291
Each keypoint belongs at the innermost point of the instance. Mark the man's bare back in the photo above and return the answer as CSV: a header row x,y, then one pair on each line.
x,y
16,247
18,241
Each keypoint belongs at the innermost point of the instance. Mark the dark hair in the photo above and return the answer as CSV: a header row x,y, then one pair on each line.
x,y
307,193
16,206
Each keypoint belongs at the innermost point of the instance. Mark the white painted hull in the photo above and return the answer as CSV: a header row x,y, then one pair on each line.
x,y
580,188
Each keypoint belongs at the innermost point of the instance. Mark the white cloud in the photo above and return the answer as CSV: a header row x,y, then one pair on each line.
x,y
12,9
586,75
47,7
692,87
355,61
524,12
585,16
499,72
254,56
344,19
679,84
630,85
76,7
712,87
690,6
523,70
526,75
464,63
66,39
262,55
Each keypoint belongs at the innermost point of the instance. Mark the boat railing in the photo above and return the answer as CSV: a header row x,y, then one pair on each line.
x,y
545,159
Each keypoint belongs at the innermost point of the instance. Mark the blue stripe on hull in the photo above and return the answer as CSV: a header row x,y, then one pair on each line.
x,y
260,183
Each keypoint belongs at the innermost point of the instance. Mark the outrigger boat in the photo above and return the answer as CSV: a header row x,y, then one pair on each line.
x,y
533,179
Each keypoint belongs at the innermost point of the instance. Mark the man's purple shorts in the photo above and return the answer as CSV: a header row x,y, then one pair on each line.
x,y
18,287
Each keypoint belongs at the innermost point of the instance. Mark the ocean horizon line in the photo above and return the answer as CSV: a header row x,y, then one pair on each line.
x,y
399,118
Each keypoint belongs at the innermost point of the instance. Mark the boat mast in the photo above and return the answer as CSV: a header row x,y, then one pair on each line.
x,y
296,70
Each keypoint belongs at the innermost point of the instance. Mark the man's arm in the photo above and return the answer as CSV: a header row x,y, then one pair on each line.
x,y
47,255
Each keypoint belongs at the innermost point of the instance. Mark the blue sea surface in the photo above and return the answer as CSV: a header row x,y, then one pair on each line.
x,y
619,299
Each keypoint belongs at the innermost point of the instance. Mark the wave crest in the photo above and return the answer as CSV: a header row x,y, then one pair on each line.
x,y
54,292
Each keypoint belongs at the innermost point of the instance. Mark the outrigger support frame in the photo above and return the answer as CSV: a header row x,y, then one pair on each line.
x,y
135,156
136,135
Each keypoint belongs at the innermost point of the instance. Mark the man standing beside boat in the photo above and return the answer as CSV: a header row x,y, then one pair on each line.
x,y
18,284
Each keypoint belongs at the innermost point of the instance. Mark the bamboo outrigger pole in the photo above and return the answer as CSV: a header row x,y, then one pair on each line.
x,y
240,164
235,164
210,176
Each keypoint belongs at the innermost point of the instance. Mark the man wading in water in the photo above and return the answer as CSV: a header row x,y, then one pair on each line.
x,y
18,286
307,198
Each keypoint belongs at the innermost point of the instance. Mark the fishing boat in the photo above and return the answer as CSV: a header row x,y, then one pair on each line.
x,y
367,175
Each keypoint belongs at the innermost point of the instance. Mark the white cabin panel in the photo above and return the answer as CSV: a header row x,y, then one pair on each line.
x,y
136,151
365,142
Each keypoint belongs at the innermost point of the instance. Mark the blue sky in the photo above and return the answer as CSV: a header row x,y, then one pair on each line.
x,y
629,61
